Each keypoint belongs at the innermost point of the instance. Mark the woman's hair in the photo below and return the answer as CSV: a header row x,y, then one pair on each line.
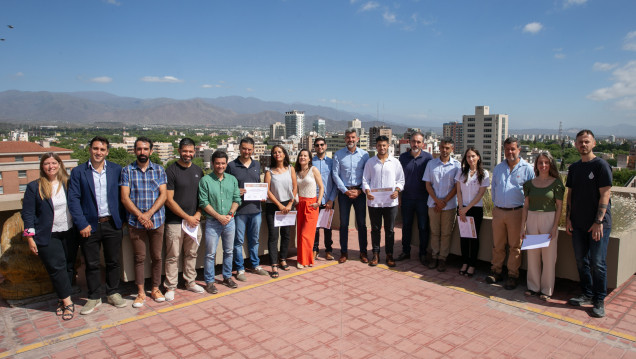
x,y
297,165
285,160
45,187
466,166
554,172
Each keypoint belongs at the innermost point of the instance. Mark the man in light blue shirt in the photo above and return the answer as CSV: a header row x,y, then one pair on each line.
x,y
324,164
442,203
508,178
348,165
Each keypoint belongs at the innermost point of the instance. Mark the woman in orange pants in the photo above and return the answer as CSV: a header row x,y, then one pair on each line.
x,y
308,180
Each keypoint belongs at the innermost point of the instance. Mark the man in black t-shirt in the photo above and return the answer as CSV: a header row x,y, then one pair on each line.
x,y
589,221
182,206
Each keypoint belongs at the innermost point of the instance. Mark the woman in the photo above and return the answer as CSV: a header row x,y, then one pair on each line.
x,y
541,214
281,190
49,229
472,183
307,178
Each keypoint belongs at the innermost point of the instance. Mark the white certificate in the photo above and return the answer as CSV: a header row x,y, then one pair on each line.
x,y
255,191
190,231
534,241
467,229
324,218
382,195
284,220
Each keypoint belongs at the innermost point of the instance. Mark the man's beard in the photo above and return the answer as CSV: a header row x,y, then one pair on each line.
x,y
415,149
142,158
351,145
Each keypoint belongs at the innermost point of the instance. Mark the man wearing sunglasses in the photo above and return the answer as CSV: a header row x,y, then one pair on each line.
x,y
324,164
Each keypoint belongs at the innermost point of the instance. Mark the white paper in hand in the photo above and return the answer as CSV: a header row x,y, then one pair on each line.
x,y
190,231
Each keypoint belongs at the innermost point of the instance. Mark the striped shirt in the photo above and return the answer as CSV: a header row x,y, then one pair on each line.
x,y
144,191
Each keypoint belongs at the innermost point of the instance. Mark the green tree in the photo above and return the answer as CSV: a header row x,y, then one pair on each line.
x,y
120,156
620,178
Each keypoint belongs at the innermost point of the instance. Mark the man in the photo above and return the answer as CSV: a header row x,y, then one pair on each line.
x,y
248,214
182,206
440,184
93,201
508,178
348,165
219,197
324,164
382,172
143,193
589,220
414,197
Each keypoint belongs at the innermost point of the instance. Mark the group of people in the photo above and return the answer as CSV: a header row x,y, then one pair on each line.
x,y
88,209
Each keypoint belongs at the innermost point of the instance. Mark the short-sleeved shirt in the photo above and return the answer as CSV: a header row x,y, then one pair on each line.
x,y
507,186
543,199
585,179
184,181
471,187
414,167
219,193
251,174
442,177
144,191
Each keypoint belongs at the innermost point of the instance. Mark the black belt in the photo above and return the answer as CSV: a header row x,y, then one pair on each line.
x,y
509,209
104,219
353,187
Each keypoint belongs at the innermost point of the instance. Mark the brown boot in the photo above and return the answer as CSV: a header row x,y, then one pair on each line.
x,y
329,256
374,260
364,258
389,260
343,258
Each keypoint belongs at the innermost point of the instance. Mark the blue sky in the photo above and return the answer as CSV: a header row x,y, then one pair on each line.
x,y
419,62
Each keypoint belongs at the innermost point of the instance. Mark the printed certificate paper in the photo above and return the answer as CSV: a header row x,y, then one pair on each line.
x,y
382,195
534,241
284,220
190,231
467,229
324,218
255,191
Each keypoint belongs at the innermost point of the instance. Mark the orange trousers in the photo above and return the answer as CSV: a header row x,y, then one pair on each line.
x,y
306,229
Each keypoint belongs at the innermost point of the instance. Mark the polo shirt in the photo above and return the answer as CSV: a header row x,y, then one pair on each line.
x,y
251,174
414,167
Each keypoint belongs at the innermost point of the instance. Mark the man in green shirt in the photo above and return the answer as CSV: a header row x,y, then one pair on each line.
x,y
219,197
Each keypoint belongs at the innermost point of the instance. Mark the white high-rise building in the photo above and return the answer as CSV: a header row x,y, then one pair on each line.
x,y
294,123
486,132
320,127
277,131
357,124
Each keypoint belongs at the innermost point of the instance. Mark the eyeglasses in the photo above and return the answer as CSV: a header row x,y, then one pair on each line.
x,y
319,144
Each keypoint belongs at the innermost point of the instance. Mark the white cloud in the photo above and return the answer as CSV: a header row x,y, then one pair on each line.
x,y
169,79
371,5
601,66
19,74
568,3
389,17
249,89
102,79
623,90
629,43
208,86
559,56
533,27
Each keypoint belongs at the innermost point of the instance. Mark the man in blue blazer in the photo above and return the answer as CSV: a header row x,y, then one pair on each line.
x,y
93,201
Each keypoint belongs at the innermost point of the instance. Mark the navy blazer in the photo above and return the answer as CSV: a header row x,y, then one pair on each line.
x,y
82,202
38,213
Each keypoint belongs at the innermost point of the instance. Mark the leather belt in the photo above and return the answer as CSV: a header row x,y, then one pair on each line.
x,y
104,219
353,187
509,209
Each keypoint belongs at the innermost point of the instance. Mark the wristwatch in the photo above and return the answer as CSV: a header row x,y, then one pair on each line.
x,y
597,221
231,214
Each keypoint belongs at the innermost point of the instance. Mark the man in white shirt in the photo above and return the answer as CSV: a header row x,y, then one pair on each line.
x,y
383,173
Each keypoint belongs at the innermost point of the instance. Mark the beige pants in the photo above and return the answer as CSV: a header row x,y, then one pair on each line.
x,y
441,224
541,279
506,229
176,239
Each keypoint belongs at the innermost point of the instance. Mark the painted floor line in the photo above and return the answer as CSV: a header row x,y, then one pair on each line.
x,y
82,332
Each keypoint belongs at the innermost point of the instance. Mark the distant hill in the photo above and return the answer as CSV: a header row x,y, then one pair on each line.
x,y
88,108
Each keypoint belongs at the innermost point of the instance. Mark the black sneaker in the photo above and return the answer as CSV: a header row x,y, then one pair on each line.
x,y
403,256
580,300
598,311
211,288
229,283
511,283
494,278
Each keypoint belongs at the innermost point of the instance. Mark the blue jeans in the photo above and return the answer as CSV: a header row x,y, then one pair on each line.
x,y
213,231
360,206
246,225
411,207
590,261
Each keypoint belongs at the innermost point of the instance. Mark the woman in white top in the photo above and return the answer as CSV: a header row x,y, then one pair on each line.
x,y
472,183
49,229
281,190
308,179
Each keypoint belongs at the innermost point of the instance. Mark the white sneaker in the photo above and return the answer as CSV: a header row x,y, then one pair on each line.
x,y
299,266
169,295
195,288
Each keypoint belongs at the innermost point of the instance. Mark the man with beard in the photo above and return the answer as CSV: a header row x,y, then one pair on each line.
x,y
182,205
348,165
414,197
93,201
143,193
589,220
324,164
508,178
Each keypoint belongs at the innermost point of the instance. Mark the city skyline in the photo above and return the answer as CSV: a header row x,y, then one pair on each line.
x,y
408,62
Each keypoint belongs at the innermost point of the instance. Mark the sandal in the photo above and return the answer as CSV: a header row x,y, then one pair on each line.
x,y
463,270
530,293
71,309
544,297
469,274
284,266
59,311
274,273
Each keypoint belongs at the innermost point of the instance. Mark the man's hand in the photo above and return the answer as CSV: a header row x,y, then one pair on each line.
x,y
395,194
353,193
242,191
440,204
597,231
86,232
329,205
224,219
192,221
32,246
370,197
568,226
